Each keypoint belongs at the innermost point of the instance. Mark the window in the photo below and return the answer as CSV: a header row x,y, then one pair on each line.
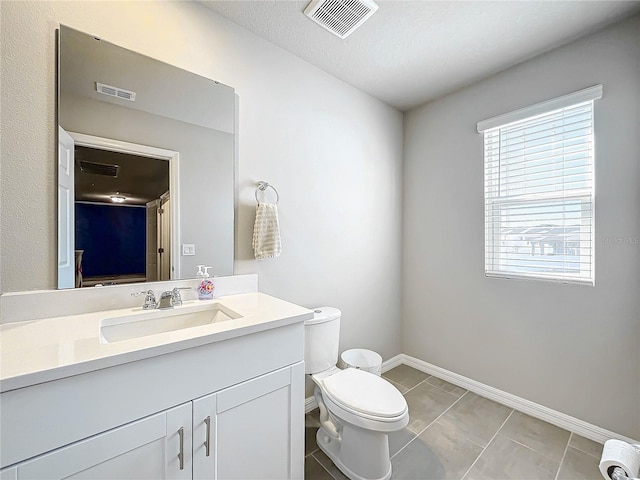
x,y
539,190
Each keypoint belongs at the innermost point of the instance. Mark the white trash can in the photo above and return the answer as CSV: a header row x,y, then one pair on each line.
x,y
362,359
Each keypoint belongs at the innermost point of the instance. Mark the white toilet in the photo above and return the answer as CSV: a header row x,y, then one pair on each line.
x,y
357,409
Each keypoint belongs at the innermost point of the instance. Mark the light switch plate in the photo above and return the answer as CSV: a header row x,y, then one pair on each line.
x,y
188,249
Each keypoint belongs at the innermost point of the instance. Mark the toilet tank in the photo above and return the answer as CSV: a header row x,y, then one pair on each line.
x,y
321,338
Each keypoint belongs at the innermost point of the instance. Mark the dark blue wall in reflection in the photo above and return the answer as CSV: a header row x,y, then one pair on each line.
x,y
113,239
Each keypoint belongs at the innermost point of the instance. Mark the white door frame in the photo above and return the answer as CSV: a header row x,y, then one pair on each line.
x,y
164,206
67,268
171,156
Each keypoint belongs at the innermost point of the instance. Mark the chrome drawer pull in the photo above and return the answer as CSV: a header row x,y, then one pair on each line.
x,y
207,442
181,454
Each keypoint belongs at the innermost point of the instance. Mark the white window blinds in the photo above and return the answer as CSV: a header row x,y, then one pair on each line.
x,y
539,203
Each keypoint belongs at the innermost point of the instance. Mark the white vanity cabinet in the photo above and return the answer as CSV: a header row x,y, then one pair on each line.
x,y
233,409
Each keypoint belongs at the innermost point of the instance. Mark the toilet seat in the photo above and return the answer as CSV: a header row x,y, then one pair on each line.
x,y
365,394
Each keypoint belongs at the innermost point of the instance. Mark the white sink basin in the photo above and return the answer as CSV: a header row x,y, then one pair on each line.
x,y
153,322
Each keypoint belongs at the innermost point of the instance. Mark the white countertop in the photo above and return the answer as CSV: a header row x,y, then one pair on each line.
x,y
43,350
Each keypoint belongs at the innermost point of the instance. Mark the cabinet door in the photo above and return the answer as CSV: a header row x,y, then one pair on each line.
x,y
146,449
256,429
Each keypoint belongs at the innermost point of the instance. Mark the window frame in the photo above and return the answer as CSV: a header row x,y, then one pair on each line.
x,y
583,197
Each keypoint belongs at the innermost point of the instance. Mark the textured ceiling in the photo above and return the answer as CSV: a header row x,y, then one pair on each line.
x,y
410,52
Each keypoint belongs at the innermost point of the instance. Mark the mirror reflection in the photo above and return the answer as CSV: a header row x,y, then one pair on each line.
x,y
145,167
122,217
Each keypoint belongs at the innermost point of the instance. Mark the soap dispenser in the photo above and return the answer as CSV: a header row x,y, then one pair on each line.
x,y
205,287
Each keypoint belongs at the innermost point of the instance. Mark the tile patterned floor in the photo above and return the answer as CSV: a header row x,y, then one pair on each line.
x,y
454,434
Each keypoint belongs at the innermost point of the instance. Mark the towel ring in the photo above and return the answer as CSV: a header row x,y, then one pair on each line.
x,y
262,186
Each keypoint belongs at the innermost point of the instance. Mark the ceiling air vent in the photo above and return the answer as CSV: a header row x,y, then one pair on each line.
x,y
99,169
115,92
340,17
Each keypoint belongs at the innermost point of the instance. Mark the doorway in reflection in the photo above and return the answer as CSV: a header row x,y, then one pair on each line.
x,y
122,217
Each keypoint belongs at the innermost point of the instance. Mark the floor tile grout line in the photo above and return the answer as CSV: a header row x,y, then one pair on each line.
x,y
564,454
434,421
488,443
419,383
311,453
528,447
435,386
447,409
426,381
396,384
321,464
411,387
440,388
597,457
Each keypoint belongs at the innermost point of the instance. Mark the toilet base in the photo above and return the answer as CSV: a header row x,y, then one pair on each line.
x,y
360,454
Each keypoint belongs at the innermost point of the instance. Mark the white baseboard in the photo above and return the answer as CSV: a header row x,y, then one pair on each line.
x,y
393,362
536,410
310,404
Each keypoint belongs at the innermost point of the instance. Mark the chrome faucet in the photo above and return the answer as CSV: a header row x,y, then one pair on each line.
x,y
171,298
150,301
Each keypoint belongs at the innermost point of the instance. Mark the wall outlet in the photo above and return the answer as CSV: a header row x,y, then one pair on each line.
x,y
188,249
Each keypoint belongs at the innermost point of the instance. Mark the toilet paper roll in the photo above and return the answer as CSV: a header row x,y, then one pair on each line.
x,y
617,453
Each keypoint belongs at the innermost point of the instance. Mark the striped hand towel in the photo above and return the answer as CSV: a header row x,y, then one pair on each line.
x,y
266,232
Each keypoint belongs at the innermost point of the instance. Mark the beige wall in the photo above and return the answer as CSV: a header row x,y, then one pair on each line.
x,y
575,349
334,153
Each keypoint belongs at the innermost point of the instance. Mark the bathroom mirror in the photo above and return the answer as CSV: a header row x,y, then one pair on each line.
x,y
145,167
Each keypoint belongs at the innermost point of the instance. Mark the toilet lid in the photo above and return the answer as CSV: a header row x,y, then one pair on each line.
x,y
365,392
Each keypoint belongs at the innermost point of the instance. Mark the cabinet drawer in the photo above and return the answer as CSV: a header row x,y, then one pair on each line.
x,y
147,449
247,391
